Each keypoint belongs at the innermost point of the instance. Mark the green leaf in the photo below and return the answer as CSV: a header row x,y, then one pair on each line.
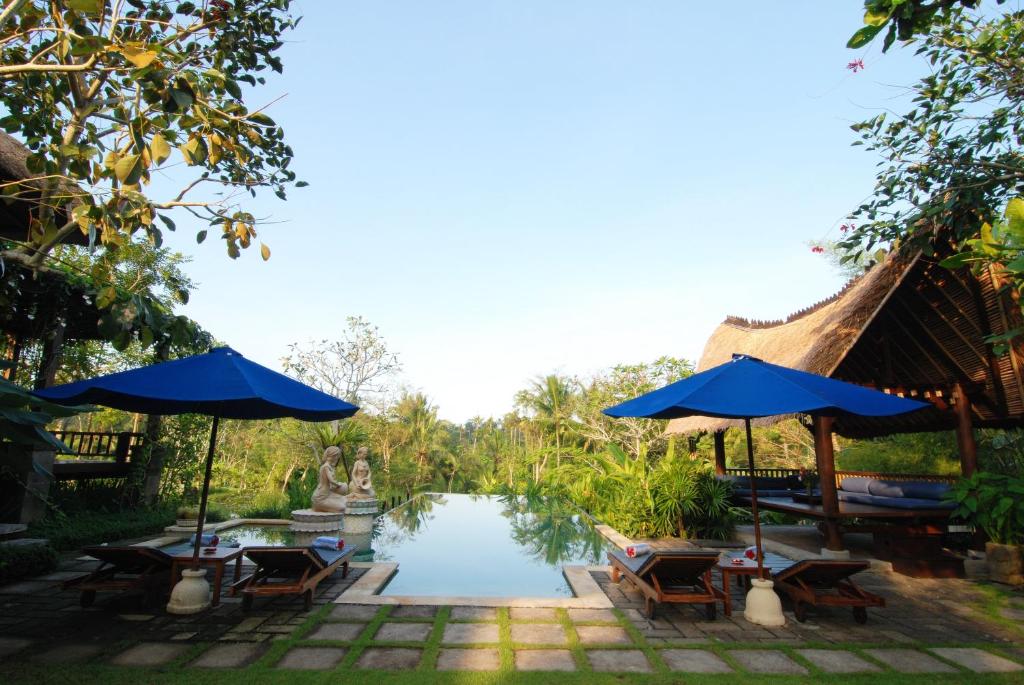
x,y
167,222
863,37
234,91
159,149
876,17
129,169
956,261
106,297
194,151
182,99
1015,214
264,252
91,7
201,236
138,54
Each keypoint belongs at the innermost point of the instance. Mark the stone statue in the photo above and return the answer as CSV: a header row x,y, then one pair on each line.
x,y
360,487
329,494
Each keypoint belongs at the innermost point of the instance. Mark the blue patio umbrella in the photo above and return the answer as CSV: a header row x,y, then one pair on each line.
x,y
220,383
746,388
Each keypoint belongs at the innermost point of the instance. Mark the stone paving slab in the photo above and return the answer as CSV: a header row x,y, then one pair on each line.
x,y
532,614
68,653
470,633
767,661
232,655
403,632
312,658
694,661
336,631
468,660
837,661
618,661
389,658
977,660
909,661
12,645
544,660
353,612
603,635
592,615
150,654
538,633
414,612
474,614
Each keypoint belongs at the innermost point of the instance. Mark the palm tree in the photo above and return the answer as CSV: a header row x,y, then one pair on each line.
x,y
421,428
550,399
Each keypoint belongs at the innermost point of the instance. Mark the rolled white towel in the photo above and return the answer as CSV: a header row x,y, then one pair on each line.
x,y
326,542
208,540
638,550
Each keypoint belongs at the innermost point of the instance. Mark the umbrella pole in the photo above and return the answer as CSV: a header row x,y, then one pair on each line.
x,y
206,493
753,502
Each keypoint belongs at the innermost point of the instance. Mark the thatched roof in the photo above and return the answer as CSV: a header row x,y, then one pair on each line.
x,y
14,215
906,326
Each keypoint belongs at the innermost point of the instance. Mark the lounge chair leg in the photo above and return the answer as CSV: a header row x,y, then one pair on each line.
x,y
860,615
800,611
87,598
710,610
246,601
307,599
648,607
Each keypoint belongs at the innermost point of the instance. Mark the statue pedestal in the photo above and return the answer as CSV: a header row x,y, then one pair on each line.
x,y
309,521
357,524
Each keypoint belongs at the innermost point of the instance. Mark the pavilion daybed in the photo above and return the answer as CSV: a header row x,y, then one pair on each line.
x,y
826,582
676,576
124,568
290,571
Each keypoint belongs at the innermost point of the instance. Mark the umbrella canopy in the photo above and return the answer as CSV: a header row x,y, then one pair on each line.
x,y
221,383
747,388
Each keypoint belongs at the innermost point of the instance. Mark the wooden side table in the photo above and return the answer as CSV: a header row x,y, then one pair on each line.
x,y
182,559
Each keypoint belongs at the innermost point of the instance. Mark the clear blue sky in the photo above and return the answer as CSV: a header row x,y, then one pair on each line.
x,y
513,188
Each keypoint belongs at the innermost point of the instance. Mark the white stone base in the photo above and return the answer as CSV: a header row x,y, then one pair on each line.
x,y
842,554
763,606
309,521
355,524
191,594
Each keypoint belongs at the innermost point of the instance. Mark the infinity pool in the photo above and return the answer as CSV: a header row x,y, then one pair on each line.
x,y
484,546
471,545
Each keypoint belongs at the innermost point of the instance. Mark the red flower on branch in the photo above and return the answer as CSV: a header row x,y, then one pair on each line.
x,y
817,249
856,65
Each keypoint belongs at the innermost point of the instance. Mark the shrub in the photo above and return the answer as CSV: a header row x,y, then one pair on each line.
x,y
72,531
994,503
266,506
19,561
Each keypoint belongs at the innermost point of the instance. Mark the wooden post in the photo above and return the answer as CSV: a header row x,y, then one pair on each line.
x,y
53,347
826,461
720,453
964,431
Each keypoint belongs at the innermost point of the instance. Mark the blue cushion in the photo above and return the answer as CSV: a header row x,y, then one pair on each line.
x,y
856,484
908,488
894,502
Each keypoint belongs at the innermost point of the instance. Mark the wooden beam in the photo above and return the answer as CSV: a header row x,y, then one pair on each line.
x,y
980,354
965,432
960,371
719,437
1000,301
824,456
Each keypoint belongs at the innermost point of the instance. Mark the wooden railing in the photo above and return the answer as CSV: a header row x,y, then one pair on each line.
x,y
840,475
96,454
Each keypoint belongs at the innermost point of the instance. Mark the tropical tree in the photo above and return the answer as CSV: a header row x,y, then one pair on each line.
x,y
421,428
105,94
550,400
357,367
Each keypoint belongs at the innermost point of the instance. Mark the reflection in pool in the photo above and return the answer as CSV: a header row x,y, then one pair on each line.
x,y
484,546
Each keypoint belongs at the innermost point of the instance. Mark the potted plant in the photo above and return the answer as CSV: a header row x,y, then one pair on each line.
x,y
188,516
994,504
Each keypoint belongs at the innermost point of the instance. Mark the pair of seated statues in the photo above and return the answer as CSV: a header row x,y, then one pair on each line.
x,y
332,495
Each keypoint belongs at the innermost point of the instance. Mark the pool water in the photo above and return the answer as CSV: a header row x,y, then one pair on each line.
x,y
484,546
471,545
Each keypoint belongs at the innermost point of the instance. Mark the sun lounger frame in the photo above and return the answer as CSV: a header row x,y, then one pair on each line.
x,y
140,568
703,591
795,583
294,578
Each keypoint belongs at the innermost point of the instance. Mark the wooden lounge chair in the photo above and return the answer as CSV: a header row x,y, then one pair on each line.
x,y
124,568
826,582
290,571
682,577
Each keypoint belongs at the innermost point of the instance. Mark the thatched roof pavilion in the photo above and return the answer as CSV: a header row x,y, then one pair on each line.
x,y
907,326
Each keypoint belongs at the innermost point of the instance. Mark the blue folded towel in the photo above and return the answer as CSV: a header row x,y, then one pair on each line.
x,y
209,540
326,542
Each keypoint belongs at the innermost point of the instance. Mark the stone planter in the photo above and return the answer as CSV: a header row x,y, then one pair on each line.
x,y
187,523
1005,563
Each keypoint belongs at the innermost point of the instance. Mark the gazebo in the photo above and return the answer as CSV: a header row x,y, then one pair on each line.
x,y
909,327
